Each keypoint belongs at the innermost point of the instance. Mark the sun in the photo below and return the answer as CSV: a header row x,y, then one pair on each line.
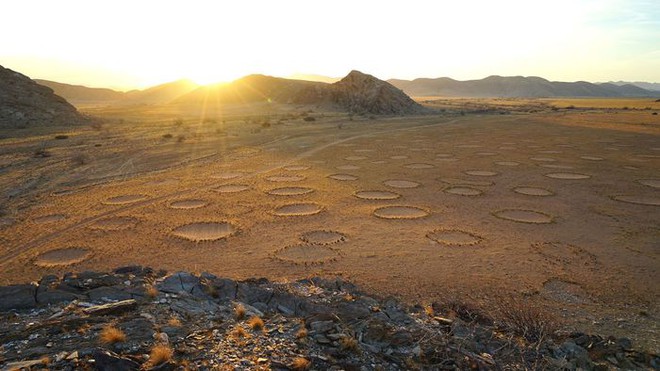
x,y
212,78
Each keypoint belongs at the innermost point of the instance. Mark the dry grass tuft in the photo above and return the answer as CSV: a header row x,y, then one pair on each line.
x,y
256,323
152,292
239,333
300,363
348,343
301,333
160,354
112,335
174,322
468,312
531,322
239,311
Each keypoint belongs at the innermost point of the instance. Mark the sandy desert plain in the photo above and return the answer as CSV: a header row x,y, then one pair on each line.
x,y
557,208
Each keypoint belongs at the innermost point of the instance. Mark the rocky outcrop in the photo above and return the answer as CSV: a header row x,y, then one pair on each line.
x,y
362,93
25,103
208,322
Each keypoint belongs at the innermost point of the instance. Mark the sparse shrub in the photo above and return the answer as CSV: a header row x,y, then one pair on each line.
x,y
570,107
42,153
256,323
151,291
160,354
300,364
167,136
468,312
174,322
626,108
348,343
61,136
111,335
80,159
180,138
301,333
239,333
265,124
530,322
309,118
239,311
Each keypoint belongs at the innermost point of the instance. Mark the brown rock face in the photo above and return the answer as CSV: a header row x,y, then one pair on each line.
x,y
24,103
362,93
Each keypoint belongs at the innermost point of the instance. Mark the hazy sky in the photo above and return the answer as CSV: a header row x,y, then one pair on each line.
x,y
126,44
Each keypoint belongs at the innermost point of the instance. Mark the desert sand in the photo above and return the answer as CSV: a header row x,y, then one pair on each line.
x,y
559,208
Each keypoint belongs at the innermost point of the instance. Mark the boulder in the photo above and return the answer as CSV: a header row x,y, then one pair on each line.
x,y
17,297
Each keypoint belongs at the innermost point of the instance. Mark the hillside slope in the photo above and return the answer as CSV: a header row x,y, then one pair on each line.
x,y
24,103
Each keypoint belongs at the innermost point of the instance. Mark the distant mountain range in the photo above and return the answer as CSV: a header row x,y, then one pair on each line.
x,y
357,93
316,89
653,86
77,94
516,86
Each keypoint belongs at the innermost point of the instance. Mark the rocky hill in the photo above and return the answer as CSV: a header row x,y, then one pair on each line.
x,y
25,103
355,93
137,318
515,87
359,92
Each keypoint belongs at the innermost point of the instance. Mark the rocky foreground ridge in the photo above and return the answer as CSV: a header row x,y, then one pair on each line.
x,y
138,318
25,103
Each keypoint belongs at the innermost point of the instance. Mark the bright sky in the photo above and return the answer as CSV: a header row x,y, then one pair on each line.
x,y
130,43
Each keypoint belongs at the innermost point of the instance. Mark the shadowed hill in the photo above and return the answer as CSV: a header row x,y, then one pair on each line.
x,y
160,94
515,86
356,93
24,103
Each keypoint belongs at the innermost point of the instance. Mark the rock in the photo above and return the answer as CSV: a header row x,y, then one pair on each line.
x,y
183,282
17,297
225,289
49,297
108,361
321,339
108,293
134,269
322,326
20,365
190,306
112,308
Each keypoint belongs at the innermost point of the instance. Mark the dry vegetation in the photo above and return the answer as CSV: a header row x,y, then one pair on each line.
x,y
111,335
256,323
300,364
160,353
